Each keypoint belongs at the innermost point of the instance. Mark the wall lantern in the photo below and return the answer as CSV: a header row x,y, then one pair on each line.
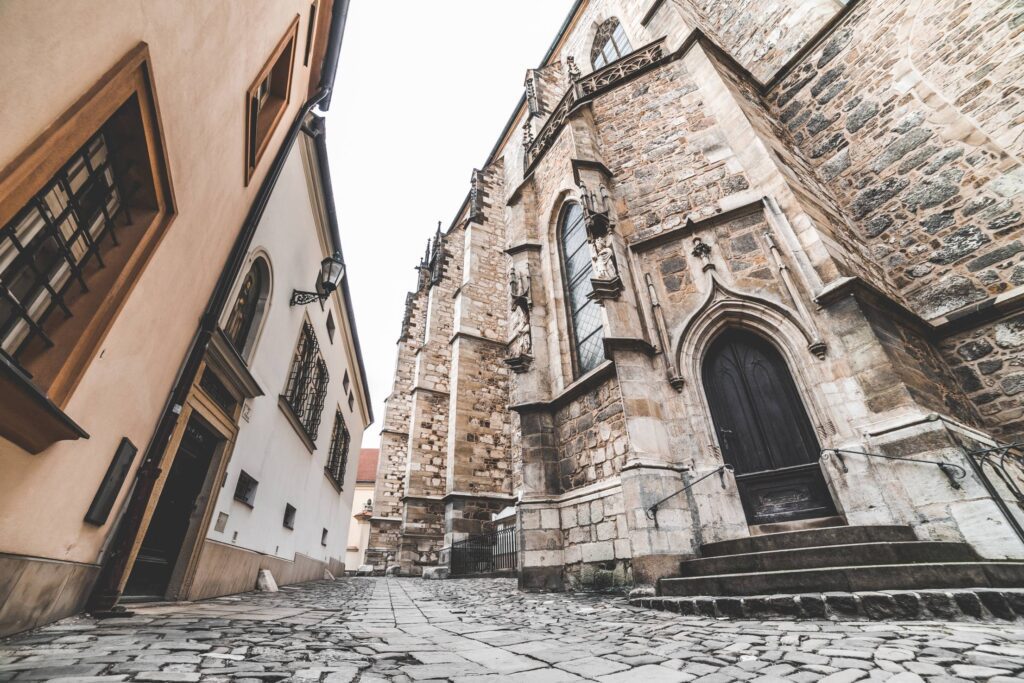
x,y
332,270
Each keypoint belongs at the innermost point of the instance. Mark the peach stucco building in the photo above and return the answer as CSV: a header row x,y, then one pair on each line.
x,y
165,201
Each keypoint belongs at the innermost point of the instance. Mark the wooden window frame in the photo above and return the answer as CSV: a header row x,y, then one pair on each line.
x,y
261,123
126,91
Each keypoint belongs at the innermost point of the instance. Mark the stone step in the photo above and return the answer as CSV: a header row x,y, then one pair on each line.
x,y
809,538
944,605
898,552
852,578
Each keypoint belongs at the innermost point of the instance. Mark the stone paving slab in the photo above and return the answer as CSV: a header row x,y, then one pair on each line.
x,y
397,630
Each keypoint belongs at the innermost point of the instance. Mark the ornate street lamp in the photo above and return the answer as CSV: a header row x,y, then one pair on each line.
x,y
332,270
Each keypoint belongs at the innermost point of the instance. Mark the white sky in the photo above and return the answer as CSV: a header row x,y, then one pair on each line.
x,y
422,93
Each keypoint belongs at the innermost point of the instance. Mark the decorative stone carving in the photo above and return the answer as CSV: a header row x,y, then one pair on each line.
x,y
437,257
531,94
572,70
476,199
528,132
702,250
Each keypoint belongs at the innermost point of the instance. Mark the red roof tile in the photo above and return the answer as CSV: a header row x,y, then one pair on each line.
x,y
367,471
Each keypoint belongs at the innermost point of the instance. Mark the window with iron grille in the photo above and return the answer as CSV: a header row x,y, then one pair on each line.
x,y
585,320
55,245
307,382
341,440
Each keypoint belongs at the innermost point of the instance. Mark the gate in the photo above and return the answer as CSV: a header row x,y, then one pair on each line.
x,y
485,553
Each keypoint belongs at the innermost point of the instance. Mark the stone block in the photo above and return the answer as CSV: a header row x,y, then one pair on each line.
x,y
549,518
622,549
435,573
598,552
265,581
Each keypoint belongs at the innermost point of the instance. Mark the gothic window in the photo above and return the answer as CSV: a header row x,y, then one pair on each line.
x,y
307,383
244,322
610,44
337,459
586,327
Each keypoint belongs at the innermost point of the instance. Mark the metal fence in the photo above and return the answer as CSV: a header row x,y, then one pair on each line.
x,y
485,553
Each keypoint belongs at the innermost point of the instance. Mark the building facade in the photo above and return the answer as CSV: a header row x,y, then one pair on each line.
x,y
362,509
157,215
732,268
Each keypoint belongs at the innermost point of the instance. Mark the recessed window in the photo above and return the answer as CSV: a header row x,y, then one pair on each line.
x,y
331,328
610,44
83,207
341,441
351,401
267,99
244,320
345,383
289,516
307,383
323,537
585,320
245,489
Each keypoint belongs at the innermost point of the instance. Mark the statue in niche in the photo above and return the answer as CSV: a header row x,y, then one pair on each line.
x,y
605,267
522,340
518,285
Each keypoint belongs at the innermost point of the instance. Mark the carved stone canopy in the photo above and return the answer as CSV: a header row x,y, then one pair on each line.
x,y
596,210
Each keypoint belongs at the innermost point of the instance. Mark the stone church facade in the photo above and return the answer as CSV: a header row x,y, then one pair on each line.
x,y
718,242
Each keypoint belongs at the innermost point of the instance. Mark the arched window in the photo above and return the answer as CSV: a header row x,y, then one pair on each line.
x,y
247,313
610,44
587,329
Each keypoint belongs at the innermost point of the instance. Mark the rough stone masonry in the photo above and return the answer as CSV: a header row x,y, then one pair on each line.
x,y
800,291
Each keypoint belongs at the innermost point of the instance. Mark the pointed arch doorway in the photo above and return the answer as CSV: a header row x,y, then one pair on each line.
x,y
764,431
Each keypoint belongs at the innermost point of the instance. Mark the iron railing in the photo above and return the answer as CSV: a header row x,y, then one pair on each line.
x,y
485,553
54,243
652,511
953,472
1001,470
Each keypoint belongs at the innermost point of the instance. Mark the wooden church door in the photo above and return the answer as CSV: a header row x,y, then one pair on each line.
x,y
764,431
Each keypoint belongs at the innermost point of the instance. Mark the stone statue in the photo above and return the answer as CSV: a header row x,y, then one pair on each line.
x,y
605,267
522,342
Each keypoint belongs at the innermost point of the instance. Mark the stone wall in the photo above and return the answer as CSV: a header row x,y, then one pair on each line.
x,y
989,362
596,543
592,441
762,35
930,193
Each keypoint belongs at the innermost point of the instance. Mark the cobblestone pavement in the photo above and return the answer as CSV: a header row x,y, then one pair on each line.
x,y
376,630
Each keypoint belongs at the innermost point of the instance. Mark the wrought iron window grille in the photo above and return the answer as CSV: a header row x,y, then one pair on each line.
x,y
953,472
52,245
652,511
307,382
341,441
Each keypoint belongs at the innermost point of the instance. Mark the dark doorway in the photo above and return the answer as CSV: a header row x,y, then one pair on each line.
x,y
764,431
174,513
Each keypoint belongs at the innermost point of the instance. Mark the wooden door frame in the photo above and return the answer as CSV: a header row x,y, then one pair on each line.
x,y
197,403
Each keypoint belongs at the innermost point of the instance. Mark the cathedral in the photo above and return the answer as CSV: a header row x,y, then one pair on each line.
x,y
737,278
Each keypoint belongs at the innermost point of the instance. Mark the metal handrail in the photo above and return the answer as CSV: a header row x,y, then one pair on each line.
x,y
951,470
652,511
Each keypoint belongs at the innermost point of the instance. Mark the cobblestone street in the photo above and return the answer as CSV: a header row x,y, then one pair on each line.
x,y
374,630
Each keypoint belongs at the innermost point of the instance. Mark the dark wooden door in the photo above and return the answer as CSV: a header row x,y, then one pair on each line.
x,y
764,431
166,533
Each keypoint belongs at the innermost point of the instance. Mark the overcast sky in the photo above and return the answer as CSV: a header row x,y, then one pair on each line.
x,y
422,93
